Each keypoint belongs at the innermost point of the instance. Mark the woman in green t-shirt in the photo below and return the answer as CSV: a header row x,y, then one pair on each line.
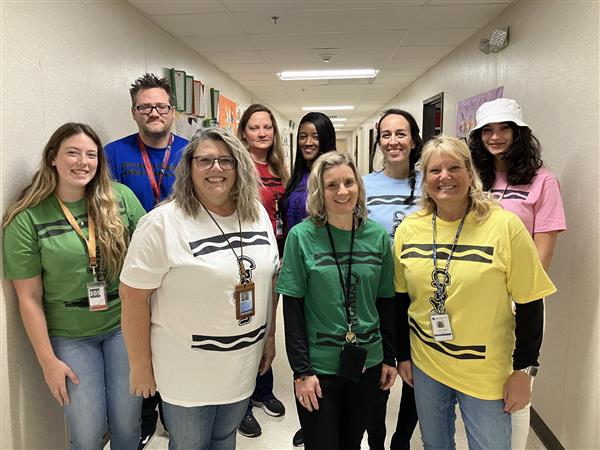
x,y
337,285
65,240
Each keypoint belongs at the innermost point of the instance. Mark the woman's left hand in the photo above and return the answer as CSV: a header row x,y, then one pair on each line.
x,y
388,377
517,391
268,355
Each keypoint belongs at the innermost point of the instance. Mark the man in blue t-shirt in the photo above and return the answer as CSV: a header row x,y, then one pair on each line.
x,y
146,161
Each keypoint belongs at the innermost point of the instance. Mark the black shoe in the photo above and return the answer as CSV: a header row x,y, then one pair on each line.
x,y
272,407
144,440
250,426
298,439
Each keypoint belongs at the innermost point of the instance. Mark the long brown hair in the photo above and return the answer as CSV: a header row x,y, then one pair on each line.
x,y
275,156
99,194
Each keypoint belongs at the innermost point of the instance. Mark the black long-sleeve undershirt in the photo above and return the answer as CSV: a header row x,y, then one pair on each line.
x,y
296,342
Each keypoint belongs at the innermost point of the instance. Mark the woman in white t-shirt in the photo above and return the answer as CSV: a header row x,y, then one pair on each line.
x,y
205,259
508,158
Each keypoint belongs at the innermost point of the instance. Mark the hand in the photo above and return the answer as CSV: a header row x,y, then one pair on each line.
x,y
55,374
388,377
141,382
405,372
308,391
517,391
268,355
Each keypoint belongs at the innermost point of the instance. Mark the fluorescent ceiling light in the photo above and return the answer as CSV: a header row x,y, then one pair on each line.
x,y
326,74
328,108
338,119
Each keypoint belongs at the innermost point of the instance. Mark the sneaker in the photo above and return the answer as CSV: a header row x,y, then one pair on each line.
x,y
272,407
144,440
249,426
298,439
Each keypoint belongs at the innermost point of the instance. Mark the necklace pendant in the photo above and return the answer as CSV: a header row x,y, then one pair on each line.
x,y
350,337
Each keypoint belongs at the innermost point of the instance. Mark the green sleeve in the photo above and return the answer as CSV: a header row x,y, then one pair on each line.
x,y
133,208
293,278
21,251
386,285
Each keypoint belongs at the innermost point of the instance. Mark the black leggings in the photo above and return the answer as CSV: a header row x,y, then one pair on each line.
x,y
340,422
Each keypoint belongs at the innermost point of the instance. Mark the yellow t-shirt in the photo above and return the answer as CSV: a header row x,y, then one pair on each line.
x,y
494,261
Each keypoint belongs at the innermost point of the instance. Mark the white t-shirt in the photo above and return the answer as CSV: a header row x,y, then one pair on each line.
x,y
201,354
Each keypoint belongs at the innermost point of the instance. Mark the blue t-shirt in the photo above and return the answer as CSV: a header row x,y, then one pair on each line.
x,y
295,206
386,199
127,167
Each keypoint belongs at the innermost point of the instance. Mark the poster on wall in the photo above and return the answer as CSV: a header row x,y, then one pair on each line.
x,y
465,110
228,117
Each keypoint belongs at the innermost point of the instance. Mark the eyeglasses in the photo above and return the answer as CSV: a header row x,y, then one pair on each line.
x,y
207,162
147,109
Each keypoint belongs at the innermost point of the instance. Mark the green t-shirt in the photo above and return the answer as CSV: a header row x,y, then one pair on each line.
x,y
309,271
40,241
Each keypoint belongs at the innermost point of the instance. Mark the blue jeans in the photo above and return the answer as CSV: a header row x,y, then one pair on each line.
x,y
210,427
486,423
101,401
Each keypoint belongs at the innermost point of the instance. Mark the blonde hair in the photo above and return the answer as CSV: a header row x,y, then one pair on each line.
x,y
315,203
245,193
101,200
275,155
456,149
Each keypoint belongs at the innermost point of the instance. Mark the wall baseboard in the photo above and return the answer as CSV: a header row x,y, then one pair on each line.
x,y
545,434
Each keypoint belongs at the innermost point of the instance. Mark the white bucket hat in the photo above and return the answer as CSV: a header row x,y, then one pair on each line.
x,y
499,110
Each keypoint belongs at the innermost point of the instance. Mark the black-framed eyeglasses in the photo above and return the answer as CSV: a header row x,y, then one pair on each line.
x,y
207,162
161,109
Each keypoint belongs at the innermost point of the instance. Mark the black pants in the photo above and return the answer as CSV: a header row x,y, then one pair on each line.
x,y
405,426
150,416
340,422
263,390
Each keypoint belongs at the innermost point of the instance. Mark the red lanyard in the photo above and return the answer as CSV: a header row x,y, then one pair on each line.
x,y
91,239
163,168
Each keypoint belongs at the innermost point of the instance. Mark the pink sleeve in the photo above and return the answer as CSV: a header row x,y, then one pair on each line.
x,y
549,212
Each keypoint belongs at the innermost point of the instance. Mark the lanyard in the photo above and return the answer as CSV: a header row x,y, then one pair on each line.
x,y
345,286
163,168
90,240
240,259
440,286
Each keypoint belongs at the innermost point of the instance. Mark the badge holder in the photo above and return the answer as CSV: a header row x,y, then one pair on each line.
x,y
96,292
440,324
352,359
244,295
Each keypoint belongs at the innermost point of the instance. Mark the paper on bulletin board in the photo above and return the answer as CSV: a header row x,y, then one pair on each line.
x,y
465,110
189,93
199,107
186,126
227,114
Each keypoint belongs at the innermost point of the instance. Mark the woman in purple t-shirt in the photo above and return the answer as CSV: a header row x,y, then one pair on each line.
x,y
508,158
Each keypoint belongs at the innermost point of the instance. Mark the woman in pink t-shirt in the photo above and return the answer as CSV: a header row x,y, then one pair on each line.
x,y
508,158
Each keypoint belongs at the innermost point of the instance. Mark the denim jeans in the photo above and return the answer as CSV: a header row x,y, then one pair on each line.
x,y
486,423
101,401
210,427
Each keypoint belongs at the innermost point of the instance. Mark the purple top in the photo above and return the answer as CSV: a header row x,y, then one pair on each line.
x,y
295,208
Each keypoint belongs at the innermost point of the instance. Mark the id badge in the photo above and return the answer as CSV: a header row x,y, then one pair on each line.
x,y
440,324
244,300
96,292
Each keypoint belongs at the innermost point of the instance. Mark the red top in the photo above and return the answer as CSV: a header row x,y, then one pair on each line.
x,y
271,191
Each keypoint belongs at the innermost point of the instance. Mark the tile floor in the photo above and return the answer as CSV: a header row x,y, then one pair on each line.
x,y
277,432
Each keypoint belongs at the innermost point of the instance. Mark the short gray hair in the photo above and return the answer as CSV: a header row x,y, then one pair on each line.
x,y
315,204
245,191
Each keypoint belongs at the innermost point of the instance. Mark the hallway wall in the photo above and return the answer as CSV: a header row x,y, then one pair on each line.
x,y
68,61
551,67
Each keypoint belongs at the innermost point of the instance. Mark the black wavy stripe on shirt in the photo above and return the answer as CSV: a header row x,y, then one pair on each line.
x,y
224,343
85,303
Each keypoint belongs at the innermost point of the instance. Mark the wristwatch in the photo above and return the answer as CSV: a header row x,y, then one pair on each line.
x,y
530,370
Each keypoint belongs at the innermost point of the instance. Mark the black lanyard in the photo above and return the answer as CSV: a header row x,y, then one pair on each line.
x,y
240,259
345,286
440,286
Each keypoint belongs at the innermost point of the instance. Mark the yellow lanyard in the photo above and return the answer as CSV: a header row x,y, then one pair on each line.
x,y
90,240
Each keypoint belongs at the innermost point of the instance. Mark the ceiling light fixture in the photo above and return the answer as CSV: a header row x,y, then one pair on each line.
x,y
289,75
338,119
328,108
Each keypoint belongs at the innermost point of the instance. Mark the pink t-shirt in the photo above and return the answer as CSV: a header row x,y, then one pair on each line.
x,y
538,204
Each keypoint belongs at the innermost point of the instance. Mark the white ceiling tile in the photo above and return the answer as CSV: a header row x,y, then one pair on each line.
x,y
437,37
423,52
411,63
460,16
153,7
233,57
211,44
191,25
312,5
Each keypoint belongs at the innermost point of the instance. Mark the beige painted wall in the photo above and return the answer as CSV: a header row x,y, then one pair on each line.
x,y
551,67
64,61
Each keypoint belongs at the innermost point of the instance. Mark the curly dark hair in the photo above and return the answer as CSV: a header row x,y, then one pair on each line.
x,y
523,158
415,153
